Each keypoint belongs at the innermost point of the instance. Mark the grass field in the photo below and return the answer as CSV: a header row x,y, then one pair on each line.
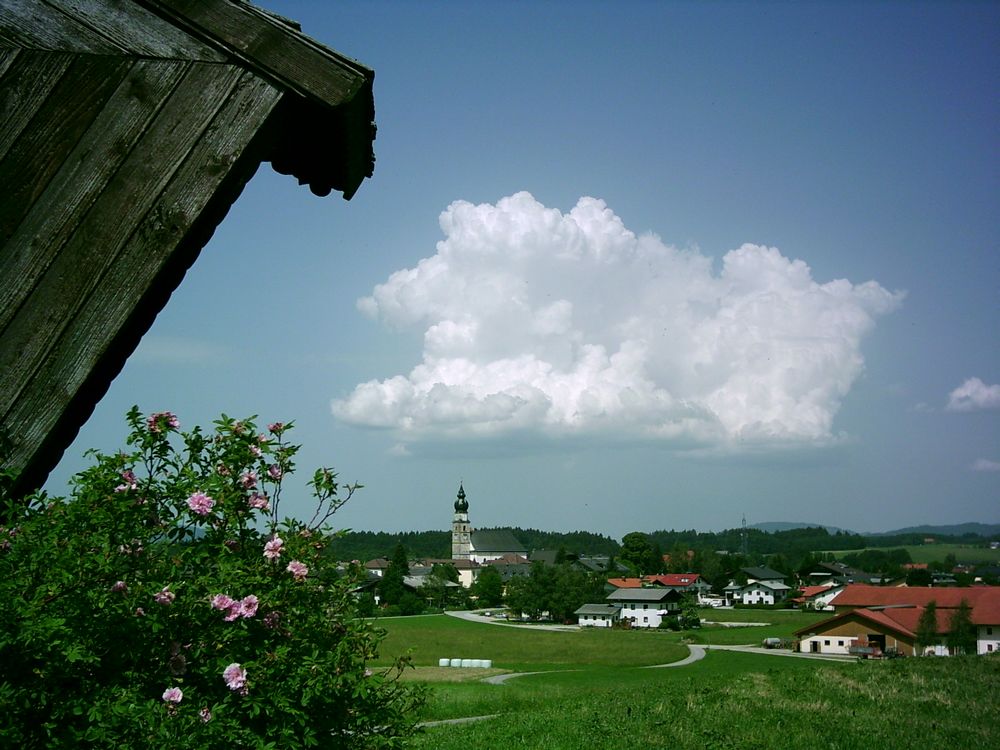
x,y
925,553
595,693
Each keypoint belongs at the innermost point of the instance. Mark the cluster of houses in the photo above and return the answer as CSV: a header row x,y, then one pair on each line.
x,y
867,615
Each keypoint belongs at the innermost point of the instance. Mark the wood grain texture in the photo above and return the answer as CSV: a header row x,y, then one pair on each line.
x,y
70,157
122,198
275,51
133,29
147,267
34,24
27,82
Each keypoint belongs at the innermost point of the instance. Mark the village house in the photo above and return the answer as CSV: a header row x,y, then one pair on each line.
x,y
645,607
598,615
763,586
682,582
817,597
886,618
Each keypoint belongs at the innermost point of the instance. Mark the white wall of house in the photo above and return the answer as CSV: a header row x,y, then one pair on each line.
x,y
826,644
757,593
467,576
987,639
595,621
642,614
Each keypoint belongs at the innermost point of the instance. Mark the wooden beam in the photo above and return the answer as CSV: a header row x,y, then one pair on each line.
x,y
291,60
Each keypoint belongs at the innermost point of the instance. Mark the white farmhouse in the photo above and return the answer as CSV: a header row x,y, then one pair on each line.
x,y
646,608
598,615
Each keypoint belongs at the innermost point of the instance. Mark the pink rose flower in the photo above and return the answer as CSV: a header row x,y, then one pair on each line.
x,y
258,501
120,587
272,549
232,612
274,471
165,597
161,419
248,479
276,427
298,569
205,714
248,606
221,601
200,503
173,695
235,676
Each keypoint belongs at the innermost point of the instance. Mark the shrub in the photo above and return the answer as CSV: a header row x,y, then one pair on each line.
x,y
151,610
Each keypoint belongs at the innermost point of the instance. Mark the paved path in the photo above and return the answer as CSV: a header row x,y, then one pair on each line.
x,y
783,652
473,617
695,653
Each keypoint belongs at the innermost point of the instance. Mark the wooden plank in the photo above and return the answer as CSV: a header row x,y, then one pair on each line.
x,y
36,25
126,25
51,135
7,58
290,59
105,329
80,174
27,82
124,200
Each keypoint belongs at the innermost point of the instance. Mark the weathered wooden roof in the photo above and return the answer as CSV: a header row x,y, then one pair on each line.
x,y
129,127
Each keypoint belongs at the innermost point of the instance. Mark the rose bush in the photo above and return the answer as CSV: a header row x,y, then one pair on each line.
x,y
166,605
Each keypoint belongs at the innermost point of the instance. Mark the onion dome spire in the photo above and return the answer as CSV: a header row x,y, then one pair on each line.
x,y
461,504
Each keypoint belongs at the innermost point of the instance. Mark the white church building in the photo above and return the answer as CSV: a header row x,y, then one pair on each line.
x,y
479,546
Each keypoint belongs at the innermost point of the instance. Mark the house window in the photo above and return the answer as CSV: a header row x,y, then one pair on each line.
x,y
826,643
989,646
989,631
840,643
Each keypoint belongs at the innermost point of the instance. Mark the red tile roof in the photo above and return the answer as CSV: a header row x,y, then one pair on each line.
x,y
811,591
626,583
984,600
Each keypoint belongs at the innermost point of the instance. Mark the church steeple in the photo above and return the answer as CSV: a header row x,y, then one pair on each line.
x,y
461,529
461,504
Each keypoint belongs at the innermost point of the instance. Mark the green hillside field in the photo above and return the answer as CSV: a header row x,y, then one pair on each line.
x,y
595,690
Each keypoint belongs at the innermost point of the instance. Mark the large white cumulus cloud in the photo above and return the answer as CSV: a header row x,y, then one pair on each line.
x,y
539,321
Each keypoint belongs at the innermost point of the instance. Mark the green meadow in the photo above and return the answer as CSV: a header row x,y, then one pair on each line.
x,y
925,553
597,690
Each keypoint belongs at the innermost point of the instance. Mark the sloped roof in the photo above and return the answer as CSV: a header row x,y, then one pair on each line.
x,y
495,540
763,574
598,609
129,130
809,592
643,595
901,620
983,600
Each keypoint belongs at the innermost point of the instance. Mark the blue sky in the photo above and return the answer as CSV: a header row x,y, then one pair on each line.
x,y
623,267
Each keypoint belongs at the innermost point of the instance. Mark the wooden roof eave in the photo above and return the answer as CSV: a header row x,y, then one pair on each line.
x,y
330,107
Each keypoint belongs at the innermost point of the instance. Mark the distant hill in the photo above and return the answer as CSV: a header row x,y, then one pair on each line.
x,y
960,529
772,526
988,530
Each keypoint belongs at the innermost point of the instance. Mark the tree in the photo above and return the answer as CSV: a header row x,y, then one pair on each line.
x,y
151,610
919,577
488,587
637,552
961,638
391,587
927,635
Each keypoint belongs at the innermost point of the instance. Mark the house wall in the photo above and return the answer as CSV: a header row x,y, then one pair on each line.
x,y
646,614
836,639
757,594
595,621
987,639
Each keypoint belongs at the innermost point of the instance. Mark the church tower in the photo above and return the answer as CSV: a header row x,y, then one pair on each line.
x,y
461,531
